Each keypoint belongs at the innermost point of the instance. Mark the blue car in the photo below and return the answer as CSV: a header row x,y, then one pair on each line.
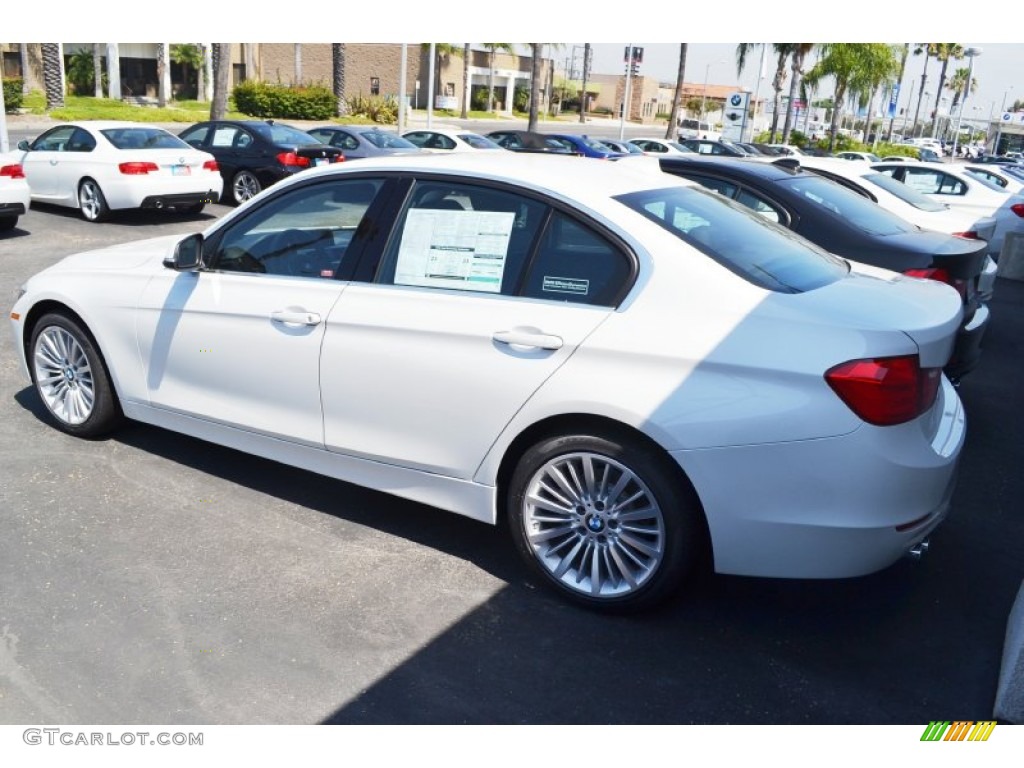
x,y
588,147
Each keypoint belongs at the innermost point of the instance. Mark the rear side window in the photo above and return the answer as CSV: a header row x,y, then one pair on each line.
x,y
757,250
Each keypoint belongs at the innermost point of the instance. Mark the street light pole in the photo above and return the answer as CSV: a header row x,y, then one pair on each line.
x,y
704,93
970,53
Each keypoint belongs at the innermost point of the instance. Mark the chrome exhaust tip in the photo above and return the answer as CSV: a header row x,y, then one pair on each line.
x,y
918,551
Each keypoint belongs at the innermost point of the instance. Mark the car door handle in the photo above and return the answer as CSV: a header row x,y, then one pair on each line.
x,y
295,317
528,337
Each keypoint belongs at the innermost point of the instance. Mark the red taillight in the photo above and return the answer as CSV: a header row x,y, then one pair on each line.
x,y
967,235
291,159
886,390
12,171
211,165
1018,208
137,168
339,158
941,275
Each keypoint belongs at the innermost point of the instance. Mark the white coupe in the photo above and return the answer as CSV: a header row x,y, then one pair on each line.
x,y
102,166
15,195
638,376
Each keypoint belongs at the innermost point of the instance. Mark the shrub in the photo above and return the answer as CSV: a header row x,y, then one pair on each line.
x,y
380,109
13,97
278,101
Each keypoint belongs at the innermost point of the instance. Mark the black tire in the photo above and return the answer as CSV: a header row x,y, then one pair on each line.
x,y
640,550
91,201
71,377
244,186
7,223
191,210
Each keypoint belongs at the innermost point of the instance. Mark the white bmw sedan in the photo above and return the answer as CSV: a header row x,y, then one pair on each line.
x,y
102,166
635,375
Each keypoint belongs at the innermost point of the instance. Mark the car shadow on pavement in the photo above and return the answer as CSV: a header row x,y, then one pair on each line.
x,y
128,218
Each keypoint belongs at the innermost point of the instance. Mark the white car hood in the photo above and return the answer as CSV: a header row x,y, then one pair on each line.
x,y
127,256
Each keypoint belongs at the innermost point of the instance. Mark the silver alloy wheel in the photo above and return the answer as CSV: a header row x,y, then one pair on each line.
x,y
593,525
64,376
90,200
245,186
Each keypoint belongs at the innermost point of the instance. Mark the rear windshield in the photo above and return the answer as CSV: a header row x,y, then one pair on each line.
x,y
385,140
839,201
285,134
756,249
143,138
477,141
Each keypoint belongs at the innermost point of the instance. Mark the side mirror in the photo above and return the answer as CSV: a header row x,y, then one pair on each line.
x,y
23,145
188,254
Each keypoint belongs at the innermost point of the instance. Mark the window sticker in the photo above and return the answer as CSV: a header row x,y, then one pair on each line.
x,y
223,137
462,250
573,285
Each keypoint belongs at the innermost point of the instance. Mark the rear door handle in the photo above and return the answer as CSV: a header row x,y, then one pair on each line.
x,y
295,317
528,337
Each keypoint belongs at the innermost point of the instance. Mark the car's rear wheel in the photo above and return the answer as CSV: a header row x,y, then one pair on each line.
x,y
7,223
91,201
71,378
192,210
606,521
244,186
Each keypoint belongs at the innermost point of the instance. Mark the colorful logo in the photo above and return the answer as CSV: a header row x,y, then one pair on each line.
x,y
959,730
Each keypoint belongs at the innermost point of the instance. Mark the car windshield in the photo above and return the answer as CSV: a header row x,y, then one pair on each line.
x,y
903,192
679,146
754,248
593,143
143,138
841,202
477,141
385,140
285,134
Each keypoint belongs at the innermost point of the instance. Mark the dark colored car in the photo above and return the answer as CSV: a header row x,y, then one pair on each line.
x,y
851,226
589,147
530,141
623,147
253,154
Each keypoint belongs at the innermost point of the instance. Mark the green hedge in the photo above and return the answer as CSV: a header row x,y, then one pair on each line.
x,y
13,96
266,100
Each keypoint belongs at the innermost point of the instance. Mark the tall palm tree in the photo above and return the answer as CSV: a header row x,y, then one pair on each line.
x,y
671,133
161,70
465,81
338,79
189,57
878,65
960,87
53,74
797,55
927,50
583,85
97,69
944,52
23,53
221,77
782,52
535,51
493,48
849,66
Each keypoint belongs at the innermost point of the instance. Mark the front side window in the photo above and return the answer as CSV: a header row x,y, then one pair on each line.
x,y
386,140
54,140
904,193
306,232
840,202
757,250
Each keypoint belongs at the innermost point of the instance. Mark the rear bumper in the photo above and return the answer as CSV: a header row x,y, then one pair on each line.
x,y
967,350
180,200
831,508
12,209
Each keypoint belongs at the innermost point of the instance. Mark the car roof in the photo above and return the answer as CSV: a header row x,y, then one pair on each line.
x,y
740,167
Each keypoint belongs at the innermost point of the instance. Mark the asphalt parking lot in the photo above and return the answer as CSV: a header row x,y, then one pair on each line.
x,y
153,578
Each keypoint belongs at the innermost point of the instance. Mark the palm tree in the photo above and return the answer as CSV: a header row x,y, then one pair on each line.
x,y
53,74
944,52
850,66
221,76
492,48
161,70
782,52
677,96
960,87
189,56
535,51
338,79
878,65
465,81
797,55
97,69
23,53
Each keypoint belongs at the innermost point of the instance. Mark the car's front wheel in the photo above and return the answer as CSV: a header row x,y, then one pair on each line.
x,y
71,378
91,201
606,521
244,186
